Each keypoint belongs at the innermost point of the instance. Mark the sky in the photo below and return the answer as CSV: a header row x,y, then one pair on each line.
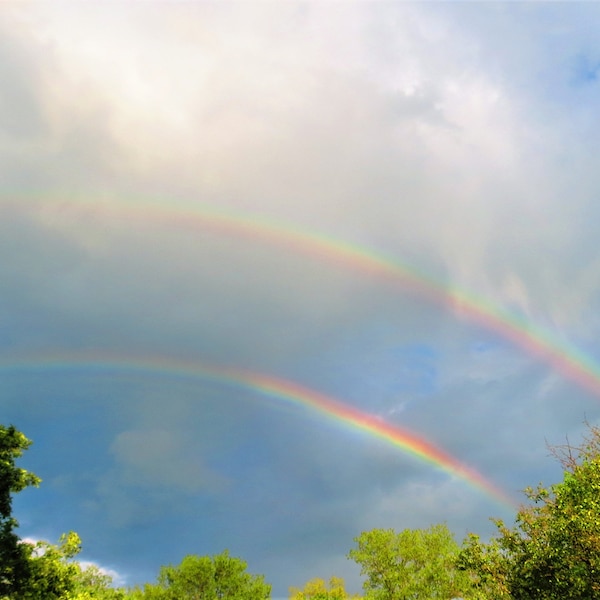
x,y
276,273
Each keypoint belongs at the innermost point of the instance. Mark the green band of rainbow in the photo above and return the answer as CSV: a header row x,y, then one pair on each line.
x,y
281,390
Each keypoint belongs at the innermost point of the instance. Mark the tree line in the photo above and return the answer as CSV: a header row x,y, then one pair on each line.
x,y
551,552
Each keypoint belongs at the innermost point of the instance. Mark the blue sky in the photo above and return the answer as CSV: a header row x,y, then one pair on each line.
x,y
458,138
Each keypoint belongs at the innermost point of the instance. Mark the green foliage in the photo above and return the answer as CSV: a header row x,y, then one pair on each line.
x,y
486,566
14,564
12,478
206,578
93,584
415,563
317,589
51,573
553,551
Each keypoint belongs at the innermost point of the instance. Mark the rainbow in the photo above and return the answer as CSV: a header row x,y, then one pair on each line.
x,y
281,390
567,360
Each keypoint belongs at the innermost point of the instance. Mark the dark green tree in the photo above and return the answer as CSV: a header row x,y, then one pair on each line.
x,y
14,563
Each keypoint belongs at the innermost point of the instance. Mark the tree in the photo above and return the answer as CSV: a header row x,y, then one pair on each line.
x,y
317,589
412,564
93,584
486,565
553,551
14,563
206,578
52,573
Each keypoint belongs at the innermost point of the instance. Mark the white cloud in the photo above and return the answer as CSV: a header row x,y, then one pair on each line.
x,y
117,578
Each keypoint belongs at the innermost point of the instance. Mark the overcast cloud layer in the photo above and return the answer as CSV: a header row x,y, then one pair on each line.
x,y
457,138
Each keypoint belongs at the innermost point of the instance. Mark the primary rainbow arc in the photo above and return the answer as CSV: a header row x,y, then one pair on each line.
x,y
279,389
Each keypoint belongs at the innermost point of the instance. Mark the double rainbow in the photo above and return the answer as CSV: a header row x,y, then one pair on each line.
x,y
567,360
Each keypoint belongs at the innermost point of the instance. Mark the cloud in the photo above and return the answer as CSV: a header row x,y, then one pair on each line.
x,y
158,458
117,578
